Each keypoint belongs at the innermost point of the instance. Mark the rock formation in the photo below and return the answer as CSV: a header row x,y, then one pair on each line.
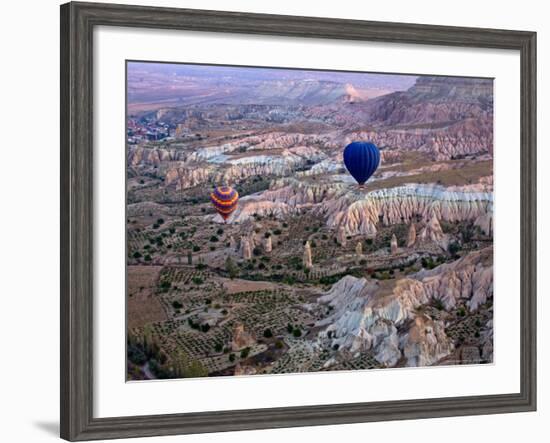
x,y
254,240
358,213
405,203
359,249
393,244
307,262
341,237
250,205
351,213
244,370
462,138
426,342
432,232
232,243
469,279
192,173
411,236
241,338
487,342
268,245
246,249
361,320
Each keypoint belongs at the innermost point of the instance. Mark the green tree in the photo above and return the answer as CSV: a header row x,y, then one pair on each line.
x,y
184,367
245,352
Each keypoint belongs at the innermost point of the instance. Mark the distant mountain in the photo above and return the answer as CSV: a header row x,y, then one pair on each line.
x,y
172,85
449,89
433,100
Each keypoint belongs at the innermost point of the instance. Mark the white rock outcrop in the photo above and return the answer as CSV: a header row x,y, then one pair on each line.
x,y
246,248
341,237
411,236
268,246
393,245
363,319
405,203
432,232
307,261
425,342
352,213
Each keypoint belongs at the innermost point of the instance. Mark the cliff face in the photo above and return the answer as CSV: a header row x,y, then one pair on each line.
x,y
138,155
425,343
402,204
445,117
239,168
356,213
154,155
443,141
452,89
392,324
435,99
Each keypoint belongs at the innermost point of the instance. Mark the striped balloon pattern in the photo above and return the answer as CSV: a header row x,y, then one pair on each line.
x,y
361,160
224,199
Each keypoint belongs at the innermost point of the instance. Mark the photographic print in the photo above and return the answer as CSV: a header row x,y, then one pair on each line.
x,y
293,220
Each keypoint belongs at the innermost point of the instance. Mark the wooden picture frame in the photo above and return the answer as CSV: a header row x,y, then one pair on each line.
x,y
77,23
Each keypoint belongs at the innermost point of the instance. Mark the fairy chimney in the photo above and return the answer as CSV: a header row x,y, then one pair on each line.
x,y
393,244
268,247
246,249
411,237
307,262
432,231
341,237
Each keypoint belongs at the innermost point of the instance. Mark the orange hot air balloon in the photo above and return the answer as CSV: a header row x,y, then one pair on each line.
x,y
224,199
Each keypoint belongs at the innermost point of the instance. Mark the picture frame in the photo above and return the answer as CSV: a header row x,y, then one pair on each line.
x,y
77,214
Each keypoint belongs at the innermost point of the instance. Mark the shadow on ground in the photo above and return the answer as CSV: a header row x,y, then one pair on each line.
x,y
50,427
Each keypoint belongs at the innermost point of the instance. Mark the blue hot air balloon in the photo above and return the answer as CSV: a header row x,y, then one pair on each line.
x,y
361,160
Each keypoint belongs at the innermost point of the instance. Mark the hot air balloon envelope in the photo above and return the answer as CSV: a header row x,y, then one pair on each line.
x,y
361,160
224,199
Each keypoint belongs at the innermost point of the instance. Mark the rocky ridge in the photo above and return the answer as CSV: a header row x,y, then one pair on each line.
x,y
355,213
392,325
